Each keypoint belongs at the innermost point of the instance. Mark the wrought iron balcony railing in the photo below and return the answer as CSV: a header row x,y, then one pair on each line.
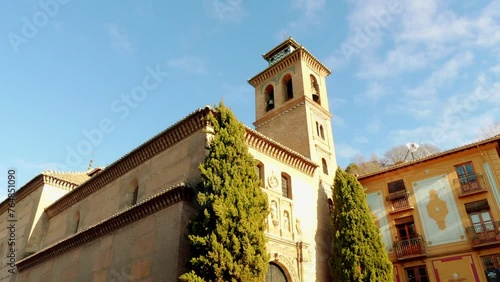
x,y
410,248
470,184
482,234
399,201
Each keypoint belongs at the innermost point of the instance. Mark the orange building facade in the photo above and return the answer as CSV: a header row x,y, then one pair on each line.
x,y
440,216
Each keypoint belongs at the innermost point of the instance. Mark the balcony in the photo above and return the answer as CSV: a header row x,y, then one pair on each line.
x,y
484,234
470,184
400,201
410,248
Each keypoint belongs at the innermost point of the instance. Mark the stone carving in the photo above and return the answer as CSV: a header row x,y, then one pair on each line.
x,y
286,221
288,265
298,227
274,213
272,181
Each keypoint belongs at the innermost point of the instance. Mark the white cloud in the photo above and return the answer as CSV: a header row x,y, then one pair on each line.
x,y
119,38
310,10
374,91
190,64
345,151
446,73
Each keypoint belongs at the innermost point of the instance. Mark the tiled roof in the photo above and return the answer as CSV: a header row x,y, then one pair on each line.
x,y
495,138
76,178
64,180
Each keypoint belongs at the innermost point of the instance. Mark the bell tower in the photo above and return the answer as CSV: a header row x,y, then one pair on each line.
x,y
291,103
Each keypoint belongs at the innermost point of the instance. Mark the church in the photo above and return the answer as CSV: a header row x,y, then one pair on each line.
x,y
127,221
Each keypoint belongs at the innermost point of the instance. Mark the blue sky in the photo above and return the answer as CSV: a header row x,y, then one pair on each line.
x,y
403,71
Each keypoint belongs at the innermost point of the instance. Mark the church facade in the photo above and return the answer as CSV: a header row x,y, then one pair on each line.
x,y
127,222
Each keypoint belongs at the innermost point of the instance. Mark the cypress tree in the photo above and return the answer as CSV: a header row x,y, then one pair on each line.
x,y
358,253
227,237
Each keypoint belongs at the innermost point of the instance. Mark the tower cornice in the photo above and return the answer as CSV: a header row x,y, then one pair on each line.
x,y
299,54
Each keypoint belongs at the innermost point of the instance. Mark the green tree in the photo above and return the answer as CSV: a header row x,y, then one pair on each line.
x,y
227,237
358,253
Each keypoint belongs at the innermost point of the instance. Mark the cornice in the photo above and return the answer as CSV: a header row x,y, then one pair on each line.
x,y
23,192
274,149
299,54
162,141
275,68
37,182
130,215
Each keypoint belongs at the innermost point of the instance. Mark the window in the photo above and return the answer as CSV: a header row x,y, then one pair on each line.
x,y
287,87
417,274
467,178
259,170
398,196
286,190
406,228
132,193
325,166
396,186
76,221
330,206
315,90
465,173
480,216
491,264
321,132
269,96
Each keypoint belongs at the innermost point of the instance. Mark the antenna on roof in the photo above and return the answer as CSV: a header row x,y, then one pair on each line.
x,y
412,148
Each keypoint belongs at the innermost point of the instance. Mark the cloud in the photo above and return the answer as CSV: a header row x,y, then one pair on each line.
x,y
239,93
310,10
423,101
189,64
119,38
374,91
225,11
345,151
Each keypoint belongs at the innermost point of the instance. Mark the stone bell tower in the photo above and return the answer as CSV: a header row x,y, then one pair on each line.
x,y
291,103
291,108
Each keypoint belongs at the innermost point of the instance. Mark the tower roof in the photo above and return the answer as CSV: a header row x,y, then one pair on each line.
x,y
281,53
288,42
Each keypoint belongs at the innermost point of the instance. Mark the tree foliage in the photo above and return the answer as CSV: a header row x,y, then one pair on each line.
x,y
227,235
395,155
489,131
358,253
398,154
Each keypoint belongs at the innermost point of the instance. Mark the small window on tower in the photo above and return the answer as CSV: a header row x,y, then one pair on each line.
x,y
286,187
315,90
287,87
325,166
321,132
259,169
269,96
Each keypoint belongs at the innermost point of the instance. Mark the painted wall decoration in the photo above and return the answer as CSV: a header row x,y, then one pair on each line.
x,y
376,203
438,211
458,268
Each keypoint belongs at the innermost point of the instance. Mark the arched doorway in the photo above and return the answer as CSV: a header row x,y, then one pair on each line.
x,y
275,274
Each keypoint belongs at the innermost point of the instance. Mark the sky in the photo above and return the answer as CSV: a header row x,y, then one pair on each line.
x,y
84,80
